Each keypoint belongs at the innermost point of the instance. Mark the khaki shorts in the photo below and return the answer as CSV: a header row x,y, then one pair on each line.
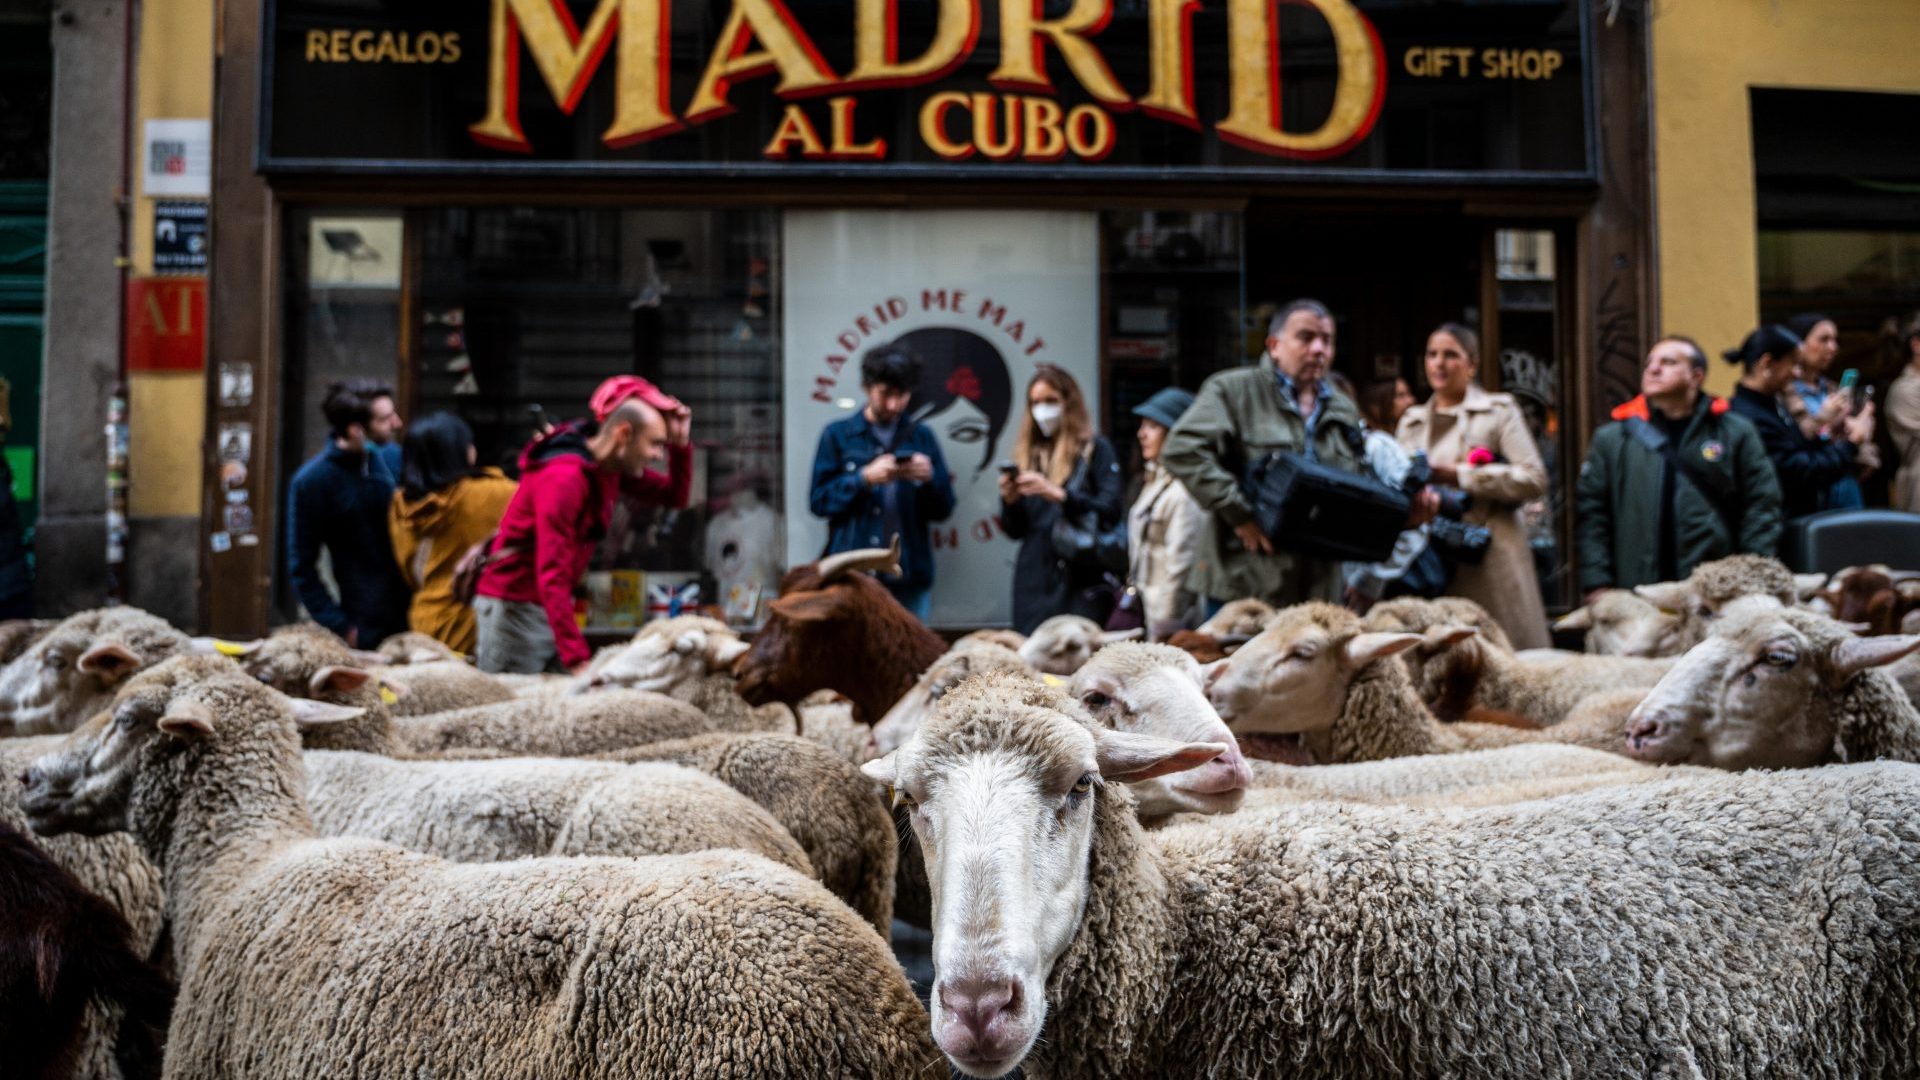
x,y
514,637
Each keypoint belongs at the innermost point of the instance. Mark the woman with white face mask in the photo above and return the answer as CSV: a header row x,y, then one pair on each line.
x,y
1059,467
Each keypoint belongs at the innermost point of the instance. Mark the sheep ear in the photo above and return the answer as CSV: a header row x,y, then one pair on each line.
x,y
1129,756
689,643
185,719
1442,636
1364,649
1805,585
109,661
882,770
369,659
1854,655
1665,595
213,646
817,605
722,651
1579,618
318,714
1110,636
338,679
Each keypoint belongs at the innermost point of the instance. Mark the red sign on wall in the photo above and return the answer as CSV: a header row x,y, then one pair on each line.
x,y
167,324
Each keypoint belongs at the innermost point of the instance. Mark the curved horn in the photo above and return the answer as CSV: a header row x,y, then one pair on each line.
x,y
885,560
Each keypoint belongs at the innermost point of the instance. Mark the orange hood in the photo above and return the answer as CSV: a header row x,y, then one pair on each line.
x,y
1637,408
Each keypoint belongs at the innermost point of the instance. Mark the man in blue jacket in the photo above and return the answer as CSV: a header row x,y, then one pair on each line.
x,y
878,475
338,500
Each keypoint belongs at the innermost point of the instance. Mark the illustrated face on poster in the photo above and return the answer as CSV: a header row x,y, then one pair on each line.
x,y
978,297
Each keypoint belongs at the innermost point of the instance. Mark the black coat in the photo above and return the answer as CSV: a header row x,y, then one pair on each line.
x,y
1044,585
1807,468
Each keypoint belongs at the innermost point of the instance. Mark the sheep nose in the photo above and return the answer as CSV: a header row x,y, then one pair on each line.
x,y
29,777
1228,772
977,1002
1644,730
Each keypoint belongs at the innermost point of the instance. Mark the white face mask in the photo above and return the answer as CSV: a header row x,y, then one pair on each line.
x,y
1047,416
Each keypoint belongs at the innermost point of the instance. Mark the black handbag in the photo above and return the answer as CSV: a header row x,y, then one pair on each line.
x,y
1322,512
1080,539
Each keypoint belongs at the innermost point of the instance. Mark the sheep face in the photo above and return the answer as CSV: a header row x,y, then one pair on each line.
x,y
413,647
1155,690
961,662
1620,623
665,657
1238,618
1062,644
1003,785
70,673
1758,693
1293,678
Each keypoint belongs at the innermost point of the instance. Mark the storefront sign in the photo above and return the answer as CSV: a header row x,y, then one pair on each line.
x,y
979,297
1385,88
166,324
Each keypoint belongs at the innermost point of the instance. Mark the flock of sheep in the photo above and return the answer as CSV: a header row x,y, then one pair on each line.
x,y
1304,843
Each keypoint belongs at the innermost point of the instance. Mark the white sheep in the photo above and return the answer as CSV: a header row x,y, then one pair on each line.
x,y
302,956
1314,673
1155,690
1062,643
72,670
1692,927
1623,623
971,655
1776,687
514,808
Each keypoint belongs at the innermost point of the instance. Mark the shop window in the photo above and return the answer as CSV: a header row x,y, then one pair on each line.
x,y
513,315
1527,336
1173,306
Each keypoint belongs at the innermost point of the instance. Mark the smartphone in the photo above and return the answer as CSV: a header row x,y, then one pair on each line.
x,y
1849,378
1860,401
1008,468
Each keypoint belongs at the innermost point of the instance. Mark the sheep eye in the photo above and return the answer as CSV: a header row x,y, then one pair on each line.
x,y
1705,612
1094,699
1781,658
1083,785
1304,652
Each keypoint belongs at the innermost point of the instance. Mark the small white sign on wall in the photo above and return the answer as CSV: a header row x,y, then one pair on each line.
x,y
980,296
178,159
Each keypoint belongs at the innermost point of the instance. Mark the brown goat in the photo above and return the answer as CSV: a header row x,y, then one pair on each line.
x,y
61,948
835,628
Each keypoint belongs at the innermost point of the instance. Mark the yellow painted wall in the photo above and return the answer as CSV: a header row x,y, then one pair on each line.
x,y
1706,55
167,410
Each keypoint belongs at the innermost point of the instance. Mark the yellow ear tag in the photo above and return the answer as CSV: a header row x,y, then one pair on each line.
x,y
387,696
1052,680
229,648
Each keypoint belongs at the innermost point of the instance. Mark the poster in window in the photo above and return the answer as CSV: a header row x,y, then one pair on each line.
x,y
979,297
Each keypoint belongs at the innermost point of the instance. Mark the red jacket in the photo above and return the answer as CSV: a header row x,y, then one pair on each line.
x,y
558,515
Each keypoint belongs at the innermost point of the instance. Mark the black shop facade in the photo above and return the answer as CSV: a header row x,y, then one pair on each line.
x,y
495,204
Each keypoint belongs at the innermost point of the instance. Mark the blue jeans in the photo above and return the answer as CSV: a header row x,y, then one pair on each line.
x,y
918,601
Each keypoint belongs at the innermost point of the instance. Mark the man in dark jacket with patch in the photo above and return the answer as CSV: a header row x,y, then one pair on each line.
x,y
338,501
1676,480
877,475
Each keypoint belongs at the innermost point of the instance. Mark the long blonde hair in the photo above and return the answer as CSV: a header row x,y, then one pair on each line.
x,y
1055,457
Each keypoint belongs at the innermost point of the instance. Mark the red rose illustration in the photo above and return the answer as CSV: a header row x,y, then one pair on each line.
x,y
964,383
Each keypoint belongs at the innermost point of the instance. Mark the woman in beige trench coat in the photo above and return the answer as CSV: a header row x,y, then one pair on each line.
x,y
1459,419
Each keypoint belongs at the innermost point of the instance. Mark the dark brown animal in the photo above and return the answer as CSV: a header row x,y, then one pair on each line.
x,y
836,628
61,948
1872,596
1202,647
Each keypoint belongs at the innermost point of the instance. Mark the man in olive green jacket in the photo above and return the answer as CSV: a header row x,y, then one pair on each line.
x,y
1674,481
1283,403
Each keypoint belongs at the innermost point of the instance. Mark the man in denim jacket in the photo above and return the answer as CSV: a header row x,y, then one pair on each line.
x,y
877,475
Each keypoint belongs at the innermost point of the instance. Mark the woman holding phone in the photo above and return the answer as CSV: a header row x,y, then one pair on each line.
x,y
1060,467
